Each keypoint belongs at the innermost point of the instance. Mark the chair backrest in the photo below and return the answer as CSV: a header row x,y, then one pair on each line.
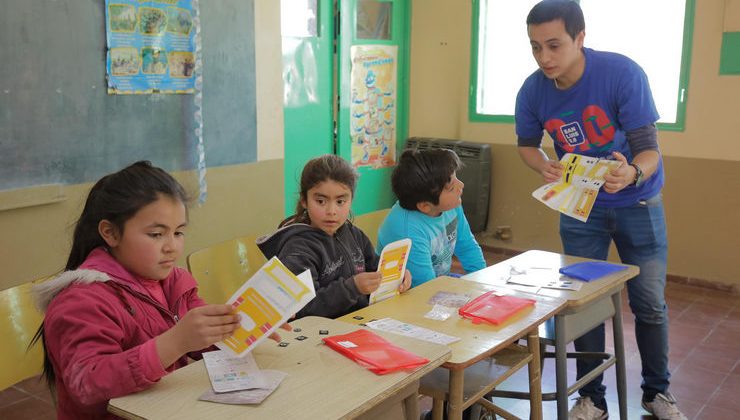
x,y
19,320
221,268
370,223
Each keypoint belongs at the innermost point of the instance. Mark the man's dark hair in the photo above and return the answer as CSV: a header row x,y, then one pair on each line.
x,y
422,174
566,10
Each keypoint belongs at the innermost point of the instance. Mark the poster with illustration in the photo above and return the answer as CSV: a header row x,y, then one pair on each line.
x,y
151,46
373,89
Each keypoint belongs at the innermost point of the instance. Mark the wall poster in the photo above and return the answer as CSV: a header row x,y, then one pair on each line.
x,y
373,89
151,46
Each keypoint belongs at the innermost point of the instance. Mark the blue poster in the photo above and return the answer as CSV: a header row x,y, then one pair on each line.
x,y
151,46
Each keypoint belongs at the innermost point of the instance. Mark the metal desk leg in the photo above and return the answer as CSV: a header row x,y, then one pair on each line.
x,y
619,354
535,376
454,407
561,368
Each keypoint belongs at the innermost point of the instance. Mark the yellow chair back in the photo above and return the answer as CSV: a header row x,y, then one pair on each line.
x,y
19,320
222,268
370,223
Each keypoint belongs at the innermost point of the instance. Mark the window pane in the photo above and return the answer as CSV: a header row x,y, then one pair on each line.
x,y
657,51
298,18
373,19
504,55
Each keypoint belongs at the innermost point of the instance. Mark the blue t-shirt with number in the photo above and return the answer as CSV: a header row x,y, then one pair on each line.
x,y
591,117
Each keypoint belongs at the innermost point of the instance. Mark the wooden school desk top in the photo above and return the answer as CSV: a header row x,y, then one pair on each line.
x,y
321,383
534,260
476,341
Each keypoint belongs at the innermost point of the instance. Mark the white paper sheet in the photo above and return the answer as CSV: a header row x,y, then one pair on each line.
x,y
410,330
231,373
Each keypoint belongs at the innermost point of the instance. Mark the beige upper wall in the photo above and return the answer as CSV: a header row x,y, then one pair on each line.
x,y
440,68
36,240
703,241
269,78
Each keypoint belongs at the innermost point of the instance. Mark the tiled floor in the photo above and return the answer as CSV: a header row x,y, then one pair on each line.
x,y
704,357
704,360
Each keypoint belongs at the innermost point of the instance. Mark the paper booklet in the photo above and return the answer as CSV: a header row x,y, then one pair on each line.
x,y
265,301
392,266
575,193
230,373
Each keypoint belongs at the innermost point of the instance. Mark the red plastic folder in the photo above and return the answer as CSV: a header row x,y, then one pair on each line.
x,y
493,309
374,352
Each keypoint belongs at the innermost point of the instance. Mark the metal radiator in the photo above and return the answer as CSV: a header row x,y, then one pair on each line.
x,y
476,174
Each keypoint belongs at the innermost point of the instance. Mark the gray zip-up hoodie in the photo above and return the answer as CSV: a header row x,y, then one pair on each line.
x,y
333,261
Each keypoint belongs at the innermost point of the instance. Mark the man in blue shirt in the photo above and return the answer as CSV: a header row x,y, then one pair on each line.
x,y
599,104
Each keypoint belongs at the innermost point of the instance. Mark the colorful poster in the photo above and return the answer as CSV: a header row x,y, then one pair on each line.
x,y
151,46
373,105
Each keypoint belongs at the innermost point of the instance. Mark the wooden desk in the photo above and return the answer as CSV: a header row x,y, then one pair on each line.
x,y
585,309
321,383
472,371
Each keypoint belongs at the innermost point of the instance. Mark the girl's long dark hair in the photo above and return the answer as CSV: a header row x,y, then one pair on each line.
x,y
116,198
316,171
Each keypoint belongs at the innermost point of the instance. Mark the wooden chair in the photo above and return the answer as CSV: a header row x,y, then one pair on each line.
x,y
370,223
221,268
19,320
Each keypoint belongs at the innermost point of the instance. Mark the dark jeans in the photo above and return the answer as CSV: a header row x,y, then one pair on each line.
x,y
639,234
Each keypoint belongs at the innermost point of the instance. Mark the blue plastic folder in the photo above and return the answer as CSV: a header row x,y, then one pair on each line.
x,y
590,270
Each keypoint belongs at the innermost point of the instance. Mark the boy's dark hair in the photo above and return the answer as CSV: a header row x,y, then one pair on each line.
x,y
421,175
317,170
566,10
116,197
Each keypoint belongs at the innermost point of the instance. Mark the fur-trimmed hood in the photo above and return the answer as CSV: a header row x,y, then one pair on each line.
x,y
44,292
101,266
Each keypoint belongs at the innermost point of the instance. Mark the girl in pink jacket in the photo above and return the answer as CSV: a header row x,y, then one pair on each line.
x,y
122,316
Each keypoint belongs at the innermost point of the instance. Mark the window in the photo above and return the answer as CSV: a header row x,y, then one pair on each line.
x,y
502,59
298,18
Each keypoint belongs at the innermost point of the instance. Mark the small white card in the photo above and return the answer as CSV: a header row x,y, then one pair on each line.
x,y
410,330
232,373
525,280
564,284
347,344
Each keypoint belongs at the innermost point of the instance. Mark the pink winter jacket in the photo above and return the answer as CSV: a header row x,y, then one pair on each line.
x,y
99,328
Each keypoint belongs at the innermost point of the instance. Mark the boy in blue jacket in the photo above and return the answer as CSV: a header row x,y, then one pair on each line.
x,y
429,212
